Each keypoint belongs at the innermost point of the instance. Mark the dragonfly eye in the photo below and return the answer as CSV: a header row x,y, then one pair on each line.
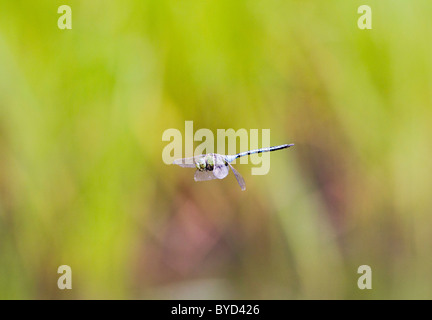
x,y
201,164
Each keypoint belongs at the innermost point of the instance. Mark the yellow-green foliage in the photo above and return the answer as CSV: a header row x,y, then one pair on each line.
x,y
82,181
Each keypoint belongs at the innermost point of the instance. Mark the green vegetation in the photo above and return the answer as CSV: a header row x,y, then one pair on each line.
x,y
82,181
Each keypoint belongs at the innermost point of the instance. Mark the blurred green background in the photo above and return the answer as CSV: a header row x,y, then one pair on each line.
x,y
82,181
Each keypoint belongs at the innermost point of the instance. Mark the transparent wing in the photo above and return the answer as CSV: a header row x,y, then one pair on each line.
x,y
239,178
204,175
220,171
187,162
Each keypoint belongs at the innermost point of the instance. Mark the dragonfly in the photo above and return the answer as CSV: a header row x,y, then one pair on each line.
x,y
216,166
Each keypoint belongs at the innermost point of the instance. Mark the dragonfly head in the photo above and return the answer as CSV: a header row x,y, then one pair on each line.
x,y
201,164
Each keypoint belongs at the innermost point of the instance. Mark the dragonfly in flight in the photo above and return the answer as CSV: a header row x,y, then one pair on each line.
x,y
216,166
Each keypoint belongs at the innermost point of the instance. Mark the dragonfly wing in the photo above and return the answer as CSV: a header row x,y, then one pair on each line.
x,y
204,175
220,171
187,162
239,178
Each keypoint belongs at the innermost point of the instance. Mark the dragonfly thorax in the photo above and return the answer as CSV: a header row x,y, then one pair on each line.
x,y
207,163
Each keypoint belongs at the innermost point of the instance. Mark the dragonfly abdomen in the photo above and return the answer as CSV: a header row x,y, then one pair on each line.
x,y
246,153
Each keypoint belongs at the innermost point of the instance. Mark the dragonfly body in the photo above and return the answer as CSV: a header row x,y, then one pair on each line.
x,y
216,166
208,162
